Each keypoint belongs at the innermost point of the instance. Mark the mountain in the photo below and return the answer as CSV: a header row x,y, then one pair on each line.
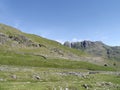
x,y
96,48
12,39
31,62
19,48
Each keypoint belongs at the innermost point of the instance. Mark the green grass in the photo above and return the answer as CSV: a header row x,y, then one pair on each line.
x,y
51,79
11,58
9,30
25,62
54,44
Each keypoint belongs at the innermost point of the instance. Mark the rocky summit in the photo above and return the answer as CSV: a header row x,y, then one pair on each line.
x,y
96,48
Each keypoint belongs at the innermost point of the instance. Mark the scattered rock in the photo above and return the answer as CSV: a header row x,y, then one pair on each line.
x,y
58,51
72,73
85,86
105,65
66,89
94,72
85,76
1,79
36,77
41,45
14,76
41,56
114,64
107,83
102,84
3,38
21,39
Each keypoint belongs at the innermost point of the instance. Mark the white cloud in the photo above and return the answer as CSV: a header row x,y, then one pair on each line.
x,y
74,39
60,41
78,40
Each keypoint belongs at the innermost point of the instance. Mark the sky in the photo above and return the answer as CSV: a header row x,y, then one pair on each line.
x,y
65,20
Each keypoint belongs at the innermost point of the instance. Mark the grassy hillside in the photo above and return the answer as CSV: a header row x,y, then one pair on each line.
x,y
11,58
31,62
35,78
16,45
33,42
20,42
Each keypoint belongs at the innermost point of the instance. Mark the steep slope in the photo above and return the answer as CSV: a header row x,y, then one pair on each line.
x,y
20,42
17,48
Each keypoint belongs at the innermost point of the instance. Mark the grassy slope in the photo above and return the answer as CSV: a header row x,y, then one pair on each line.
x,y
10,58
27,62
48,43
54,44
51,78
32,56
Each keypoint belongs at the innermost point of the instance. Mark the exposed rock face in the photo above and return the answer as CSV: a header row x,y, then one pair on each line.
x,y
86,44
3,38
14,76
13,37
96,48
19,39
36,77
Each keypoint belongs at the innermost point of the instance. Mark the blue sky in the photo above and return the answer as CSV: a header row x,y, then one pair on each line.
x,y
65,20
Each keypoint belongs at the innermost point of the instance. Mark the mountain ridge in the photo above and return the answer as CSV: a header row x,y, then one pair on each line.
x,y
12,37
22,44
96,48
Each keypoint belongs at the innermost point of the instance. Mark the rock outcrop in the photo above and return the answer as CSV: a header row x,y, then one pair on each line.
x,y
96,48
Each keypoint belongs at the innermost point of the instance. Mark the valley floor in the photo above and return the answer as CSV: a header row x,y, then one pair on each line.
x,y
38,78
